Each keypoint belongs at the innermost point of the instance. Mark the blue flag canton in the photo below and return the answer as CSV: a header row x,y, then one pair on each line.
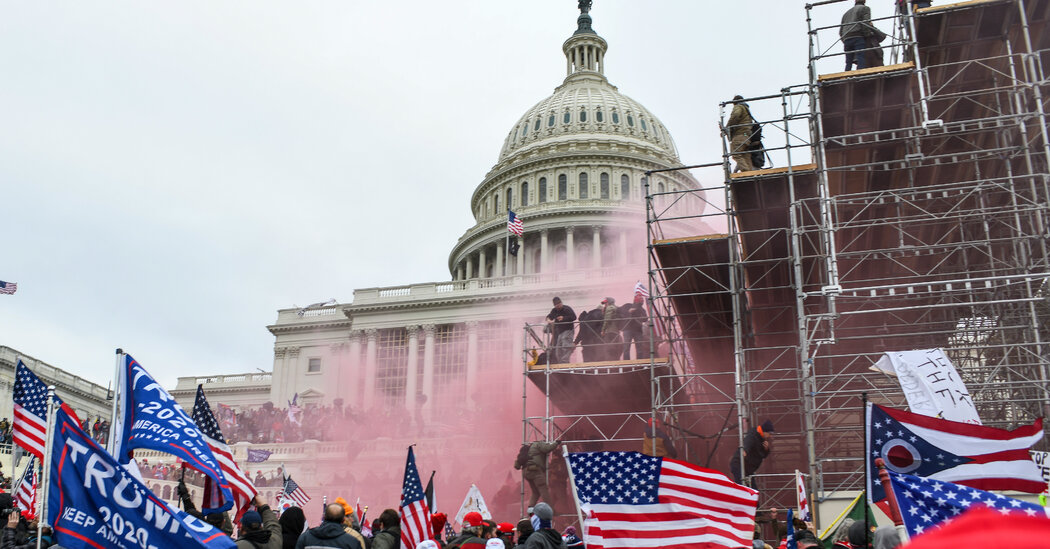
x,y
412,489
926,503
616,478
30,392
903,451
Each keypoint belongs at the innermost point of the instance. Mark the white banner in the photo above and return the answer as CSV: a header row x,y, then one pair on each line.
x,y
931,384
1042,460
473,502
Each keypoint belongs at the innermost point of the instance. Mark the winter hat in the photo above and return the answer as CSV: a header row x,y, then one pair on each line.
x,y
494,543
544,513
570,531
437,522
858,535
427,544
767,426
472,519
251,517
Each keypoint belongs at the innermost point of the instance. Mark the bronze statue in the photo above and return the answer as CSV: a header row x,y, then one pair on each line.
x,y
585,6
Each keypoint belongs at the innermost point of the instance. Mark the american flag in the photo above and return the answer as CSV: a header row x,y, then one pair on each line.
x,y
415,515
641,290
927,503
25,497
630,499
29,428
293,493
514,224
241,486
8,287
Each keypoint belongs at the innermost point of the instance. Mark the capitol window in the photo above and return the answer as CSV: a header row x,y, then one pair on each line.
x,y
537,125
495,203
563,187
583,115
524,193
525,129
630,120
314,366
598,115
583,185
604,185
616,117
510,198
567,118
543,189
550,121
625,187
644,128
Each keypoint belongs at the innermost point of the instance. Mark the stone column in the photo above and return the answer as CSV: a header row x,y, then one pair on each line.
x,y
470,267
459,272
623,247
472,356
413,367
596,247
355,366
499,259
428,363
370,368
570,249
482,272
521,256
544,252
279,372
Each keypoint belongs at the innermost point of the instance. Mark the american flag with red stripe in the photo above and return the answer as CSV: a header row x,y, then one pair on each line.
x,y
25,496
415,515
29,427
240,485
641,290
514,223
8,288
293,494
630,499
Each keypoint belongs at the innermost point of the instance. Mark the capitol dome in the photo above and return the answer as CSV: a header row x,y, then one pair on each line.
x,y
574,169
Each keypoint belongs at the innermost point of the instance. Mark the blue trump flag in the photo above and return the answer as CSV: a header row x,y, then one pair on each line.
x,y
94,503
152,419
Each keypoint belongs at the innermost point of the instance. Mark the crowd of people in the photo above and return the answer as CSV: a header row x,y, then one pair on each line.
x,y
606,333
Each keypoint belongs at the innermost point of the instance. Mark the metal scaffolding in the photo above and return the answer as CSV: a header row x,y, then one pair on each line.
x,y
909,210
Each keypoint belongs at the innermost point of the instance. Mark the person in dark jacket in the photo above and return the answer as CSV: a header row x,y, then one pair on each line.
x,y
259,528
561,318
330,533
470,535
756,448
634,318
524,529
545,537
854,32
389,535
589,335
293,521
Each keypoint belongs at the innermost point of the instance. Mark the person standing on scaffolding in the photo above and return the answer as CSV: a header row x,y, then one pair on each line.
x,y
740,128
855,29
561,319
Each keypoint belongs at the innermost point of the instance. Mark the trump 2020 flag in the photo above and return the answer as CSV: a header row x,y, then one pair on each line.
x,y
153,420
972,455
926,504
95,503
629,499
415,515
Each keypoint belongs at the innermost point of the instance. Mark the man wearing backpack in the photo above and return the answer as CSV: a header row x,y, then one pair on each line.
x,y
854,31
534,468
740,127
611,324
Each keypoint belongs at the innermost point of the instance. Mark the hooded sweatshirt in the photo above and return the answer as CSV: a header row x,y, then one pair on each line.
x,y
328,534
545,538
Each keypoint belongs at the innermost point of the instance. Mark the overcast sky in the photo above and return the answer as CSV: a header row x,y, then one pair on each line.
x,y
172,173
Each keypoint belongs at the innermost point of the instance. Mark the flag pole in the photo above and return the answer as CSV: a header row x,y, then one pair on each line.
x,y
111,443
867,471
41,515
575,497
891,498
506,248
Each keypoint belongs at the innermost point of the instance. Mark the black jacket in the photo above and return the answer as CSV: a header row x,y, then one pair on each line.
x,y
328,534
545,538
568,316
